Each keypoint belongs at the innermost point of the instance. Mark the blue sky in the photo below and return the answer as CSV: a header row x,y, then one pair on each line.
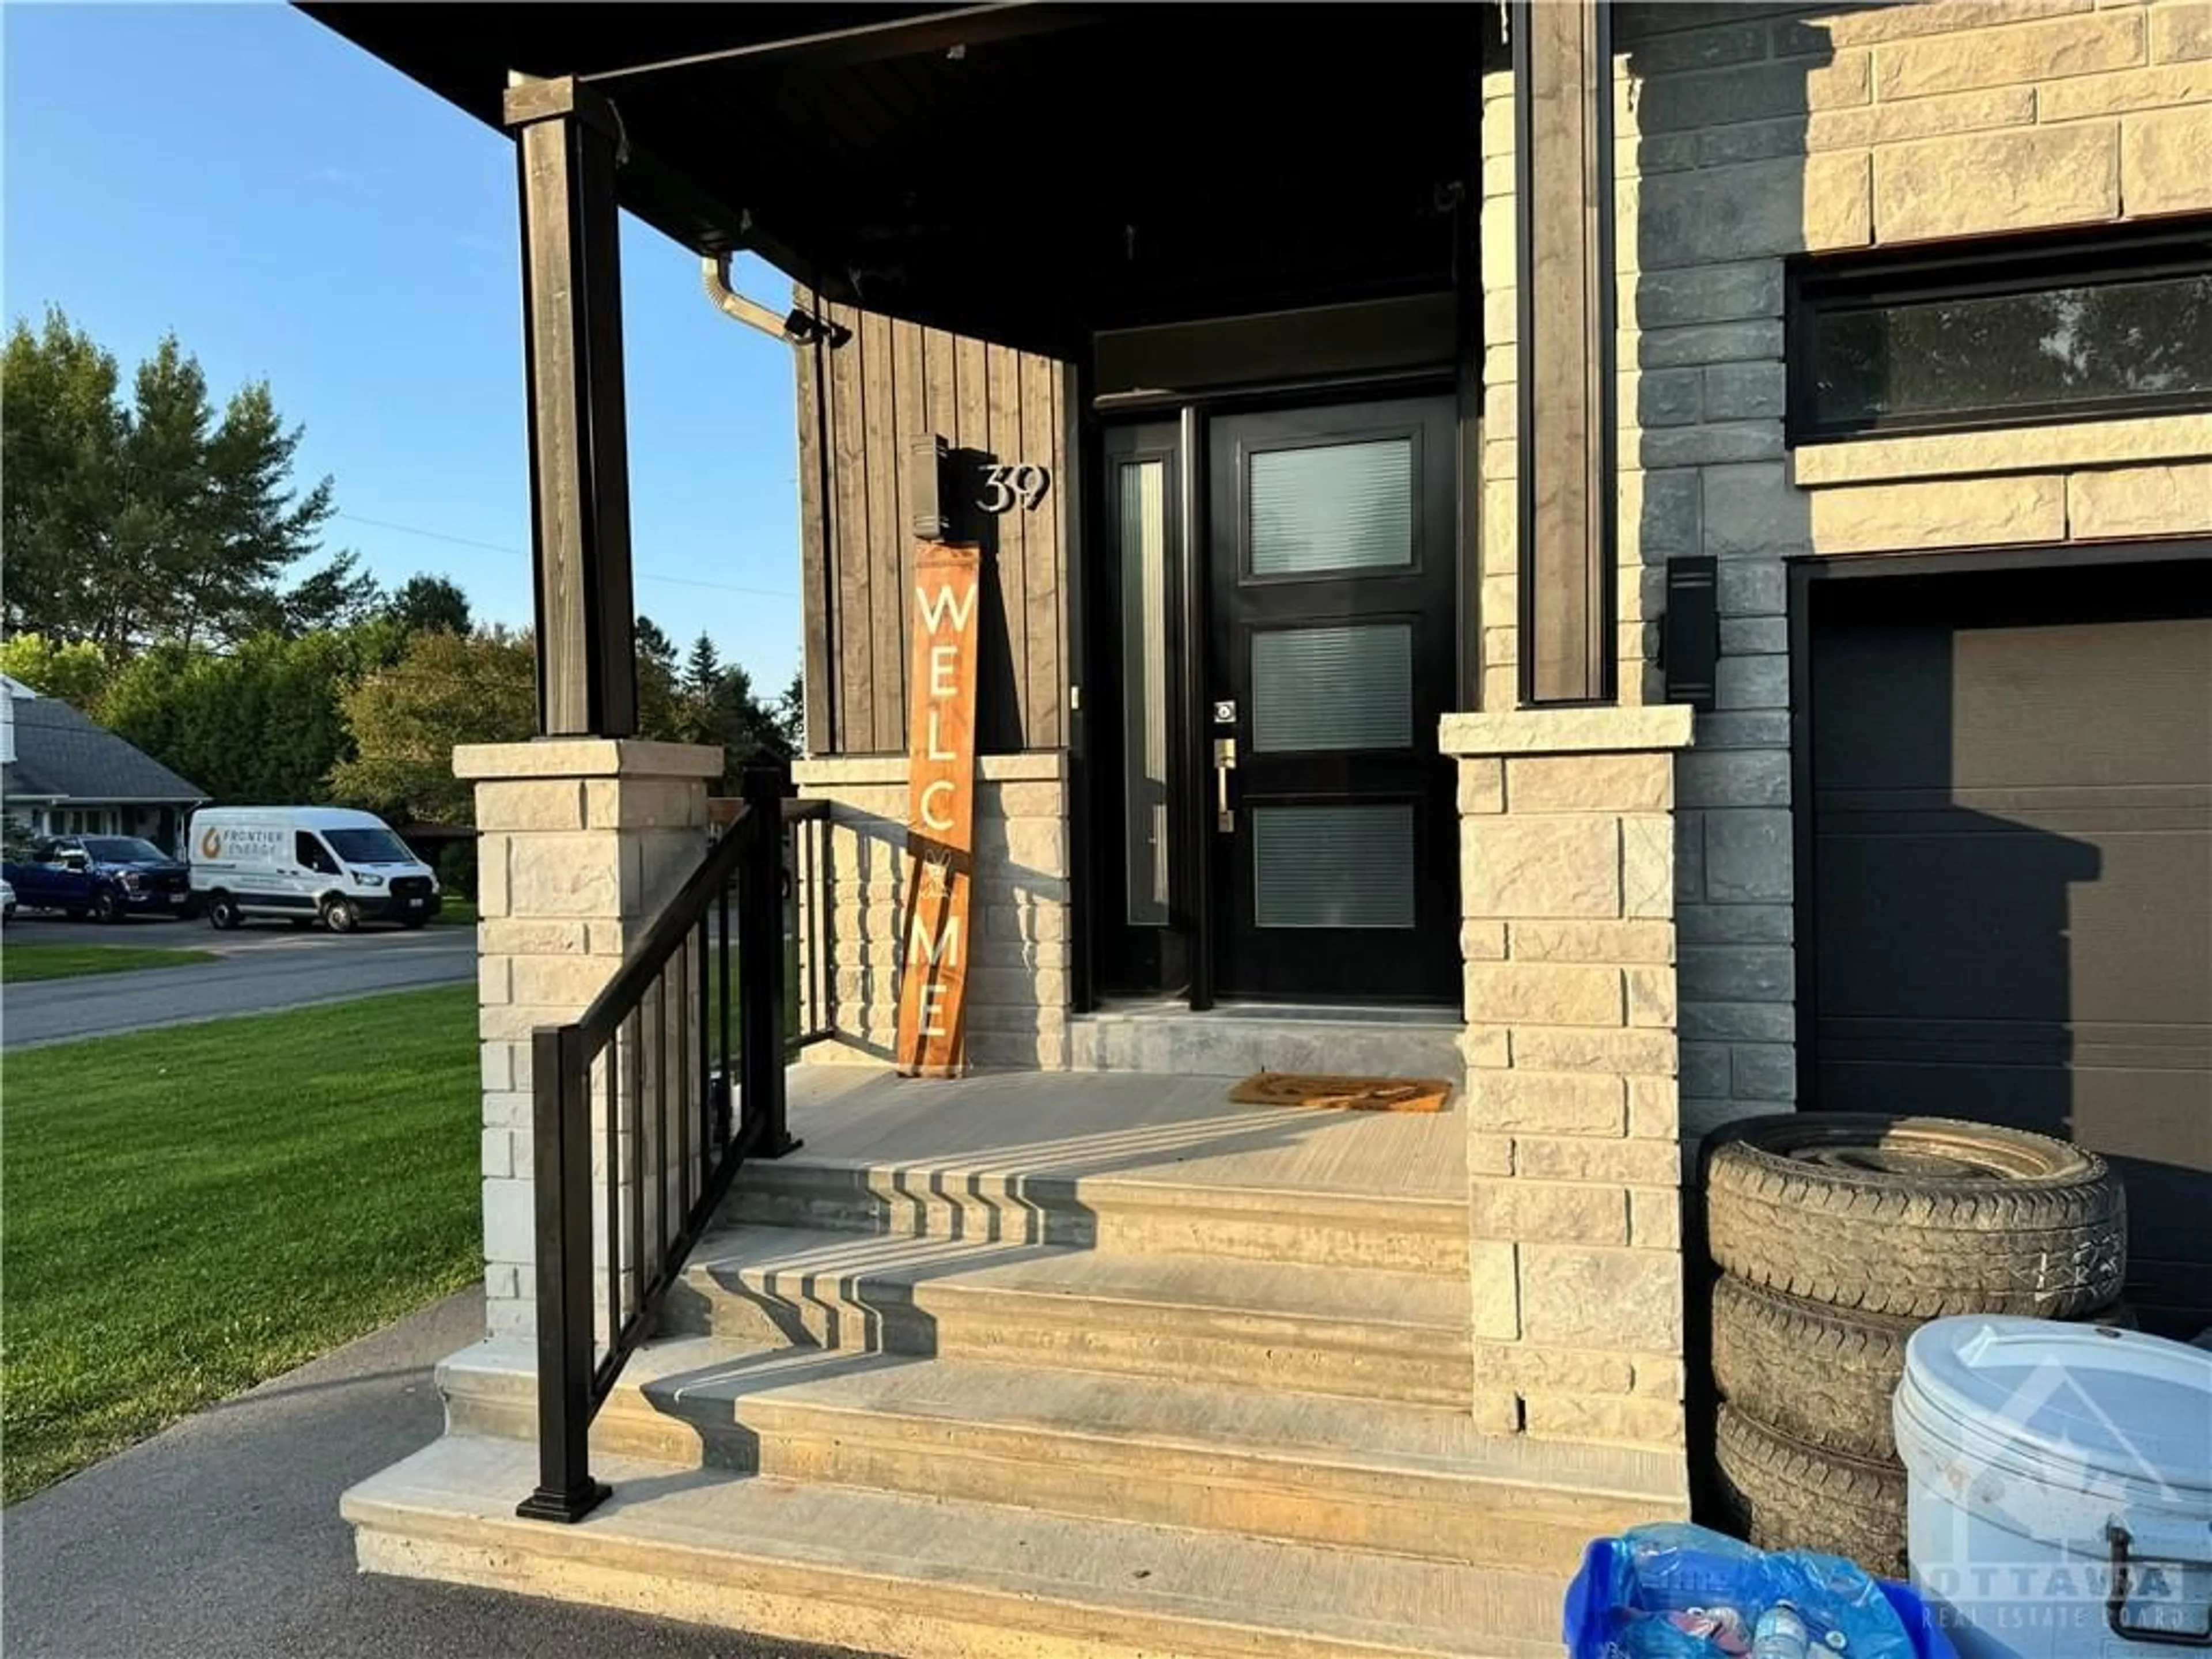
x,y
293,210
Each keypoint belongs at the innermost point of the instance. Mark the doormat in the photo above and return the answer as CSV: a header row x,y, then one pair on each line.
x,y
1343,1094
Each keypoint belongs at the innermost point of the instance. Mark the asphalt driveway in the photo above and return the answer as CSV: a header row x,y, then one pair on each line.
x,y
220,1538
263,968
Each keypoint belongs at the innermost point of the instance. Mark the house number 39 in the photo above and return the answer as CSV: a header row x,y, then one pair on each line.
x,y
1020,484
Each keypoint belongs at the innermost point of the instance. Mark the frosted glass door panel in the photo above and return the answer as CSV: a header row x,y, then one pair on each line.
x,y
1333,866
1333,507
1333,687
1144,689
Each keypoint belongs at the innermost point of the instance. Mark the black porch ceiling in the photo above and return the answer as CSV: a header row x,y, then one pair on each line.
x,y
1022,172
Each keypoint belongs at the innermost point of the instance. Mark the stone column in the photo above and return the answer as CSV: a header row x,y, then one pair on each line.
x,y
583,840
1567,886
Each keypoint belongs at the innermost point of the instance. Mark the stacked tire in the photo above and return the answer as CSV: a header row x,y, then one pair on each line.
x,y
1840,1234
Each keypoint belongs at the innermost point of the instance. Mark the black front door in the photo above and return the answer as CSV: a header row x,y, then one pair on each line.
x,y
1276,644
1331,653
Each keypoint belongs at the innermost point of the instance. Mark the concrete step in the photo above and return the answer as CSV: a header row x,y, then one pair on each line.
x,y
1403,1480
1236,1043
1366,1333
1130,1217
890,1573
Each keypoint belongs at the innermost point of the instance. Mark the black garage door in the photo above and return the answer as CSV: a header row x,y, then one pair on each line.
x,y
2007,871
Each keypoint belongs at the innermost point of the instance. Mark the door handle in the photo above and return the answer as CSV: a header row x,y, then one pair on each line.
x,y
1225,762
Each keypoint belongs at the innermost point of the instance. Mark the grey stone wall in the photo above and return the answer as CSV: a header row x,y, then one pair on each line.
x,y
1746,135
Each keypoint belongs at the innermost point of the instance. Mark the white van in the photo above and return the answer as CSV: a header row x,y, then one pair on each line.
x,y
308,864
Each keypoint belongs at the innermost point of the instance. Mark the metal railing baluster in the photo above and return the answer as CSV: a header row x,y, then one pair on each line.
x,y
633,1070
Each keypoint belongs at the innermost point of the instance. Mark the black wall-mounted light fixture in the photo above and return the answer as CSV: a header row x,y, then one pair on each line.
x,y
926,494
1690,635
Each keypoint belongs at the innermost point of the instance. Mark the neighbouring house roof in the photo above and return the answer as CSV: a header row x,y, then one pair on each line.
x,y
62,755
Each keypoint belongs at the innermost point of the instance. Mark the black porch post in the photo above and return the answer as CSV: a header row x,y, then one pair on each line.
x,y
1568,479
764,1039
567,140
561,1154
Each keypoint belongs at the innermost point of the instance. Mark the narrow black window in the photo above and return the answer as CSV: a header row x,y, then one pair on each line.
x,y
1141,528
2011,333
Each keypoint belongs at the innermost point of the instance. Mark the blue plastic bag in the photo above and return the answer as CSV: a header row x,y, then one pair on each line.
x,y
1618,1606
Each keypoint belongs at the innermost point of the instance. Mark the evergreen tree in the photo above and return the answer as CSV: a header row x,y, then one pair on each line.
x,y
704,699
657,713
340,595
655,646
427,604
702,670
61,431
791,713
159,519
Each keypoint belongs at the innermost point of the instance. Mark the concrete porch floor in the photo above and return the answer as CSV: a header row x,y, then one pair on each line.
x,y
1134,1127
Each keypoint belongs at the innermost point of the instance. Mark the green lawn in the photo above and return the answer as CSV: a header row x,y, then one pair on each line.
x,y
454,911
189,1211
20,962
792,1011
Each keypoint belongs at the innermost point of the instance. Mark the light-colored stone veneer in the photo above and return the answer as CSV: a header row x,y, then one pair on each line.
x,y
581,843
1747,134
1574,1186
1018,977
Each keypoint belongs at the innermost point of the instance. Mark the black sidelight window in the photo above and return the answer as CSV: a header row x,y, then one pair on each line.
x,y
2016,331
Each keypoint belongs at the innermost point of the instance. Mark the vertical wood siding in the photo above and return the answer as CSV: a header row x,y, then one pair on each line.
x,y
890,384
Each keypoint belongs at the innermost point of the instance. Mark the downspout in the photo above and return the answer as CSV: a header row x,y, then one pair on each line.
x,y
796,327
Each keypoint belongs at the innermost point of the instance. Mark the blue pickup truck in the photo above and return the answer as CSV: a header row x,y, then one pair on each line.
x,y
109,877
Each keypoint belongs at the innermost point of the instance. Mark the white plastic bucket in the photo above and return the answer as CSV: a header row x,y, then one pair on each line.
x,y
2060,1495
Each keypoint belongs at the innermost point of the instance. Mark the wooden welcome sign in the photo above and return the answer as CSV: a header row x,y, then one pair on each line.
x,y
940,810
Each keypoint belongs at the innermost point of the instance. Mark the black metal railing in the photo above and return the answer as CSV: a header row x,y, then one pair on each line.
x,y
806,877
647,1104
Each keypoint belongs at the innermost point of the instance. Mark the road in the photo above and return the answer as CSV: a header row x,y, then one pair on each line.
x,y
220,1538
263,968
